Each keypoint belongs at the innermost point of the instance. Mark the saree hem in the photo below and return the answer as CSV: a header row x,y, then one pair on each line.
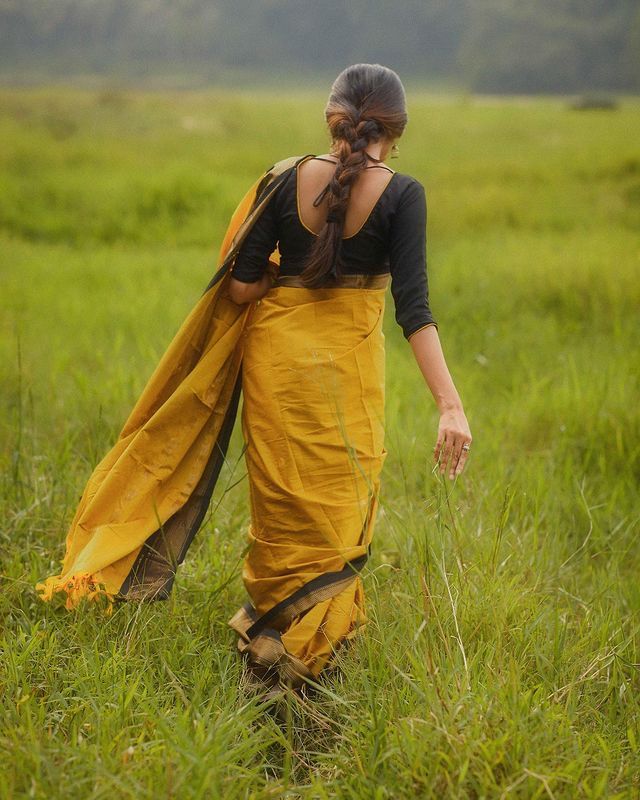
x,y
270,663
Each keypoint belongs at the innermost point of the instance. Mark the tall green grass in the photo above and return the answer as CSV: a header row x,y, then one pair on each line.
x,y
502,653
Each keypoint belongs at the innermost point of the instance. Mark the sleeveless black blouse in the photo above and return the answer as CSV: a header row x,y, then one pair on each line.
x,y
392,239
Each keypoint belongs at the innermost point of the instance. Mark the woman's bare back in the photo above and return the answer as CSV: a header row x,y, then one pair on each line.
x,y
313,174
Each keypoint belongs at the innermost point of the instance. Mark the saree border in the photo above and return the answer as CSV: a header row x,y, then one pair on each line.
x,y
268,661
308,595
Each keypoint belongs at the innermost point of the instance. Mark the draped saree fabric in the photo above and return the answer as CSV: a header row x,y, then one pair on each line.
x,y
309,365
146,498
313,425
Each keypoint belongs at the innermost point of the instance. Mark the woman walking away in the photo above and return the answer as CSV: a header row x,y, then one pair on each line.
x,y
293,321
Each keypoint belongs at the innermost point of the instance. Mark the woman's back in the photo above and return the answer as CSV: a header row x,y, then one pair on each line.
x,y
313,174
384,232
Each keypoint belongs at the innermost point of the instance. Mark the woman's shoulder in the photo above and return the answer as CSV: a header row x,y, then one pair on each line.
x,y
284,166
408,189
402,186
276,177
404,180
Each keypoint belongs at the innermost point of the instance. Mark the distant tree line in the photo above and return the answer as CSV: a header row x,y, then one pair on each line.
x,y
483,45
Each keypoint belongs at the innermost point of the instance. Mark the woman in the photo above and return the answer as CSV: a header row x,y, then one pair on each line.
x,y
345,225
293,319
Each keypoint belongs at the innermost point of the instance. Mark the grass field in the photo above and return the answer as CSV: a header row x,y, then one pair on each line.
x,y
502,655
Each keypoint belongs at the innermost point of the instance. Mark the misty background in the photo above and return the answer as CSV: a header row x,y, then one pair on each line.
x,y
498,46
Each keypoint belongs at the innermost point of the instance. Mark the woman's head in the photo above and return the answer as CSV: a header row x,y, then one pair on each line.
x,y
366,104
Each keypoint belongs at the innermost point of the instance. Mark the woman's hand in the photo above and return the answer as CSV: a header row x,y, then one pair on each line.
x,y
241,292
453,432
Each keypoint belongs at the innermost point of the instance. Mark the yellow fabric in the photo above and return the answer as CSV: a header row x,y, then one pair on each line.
x,y
312,368
313,425
165,443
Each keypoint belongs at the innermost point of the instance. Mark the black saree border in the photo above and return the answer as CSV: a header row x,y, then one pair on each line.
x,y
156,548
308,590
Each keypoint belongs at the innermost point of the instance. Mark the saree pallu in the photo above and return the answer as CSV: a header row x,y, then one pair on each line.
x,y
146,499
313,380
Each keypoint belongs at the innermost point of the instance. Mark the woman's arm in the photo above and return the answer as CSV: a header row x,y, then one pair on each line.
x,y
453,430
242,292
253,273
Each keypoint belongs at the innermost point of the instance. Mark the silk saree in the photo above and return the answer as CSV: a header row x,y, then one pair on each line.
x,y
308,365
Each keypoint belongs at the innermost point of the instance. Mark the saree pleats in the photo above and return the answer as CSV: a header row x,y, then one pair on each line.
x,y
313,425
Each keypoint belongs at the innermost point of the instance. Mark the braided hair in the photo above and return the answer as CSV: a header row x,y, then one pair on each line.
x,y
366,102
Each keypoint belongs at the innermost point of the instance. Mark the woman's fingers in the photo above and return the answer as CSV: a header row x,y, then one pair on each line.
x,y
460,456
450,453
439,443
464,454
454,438
447,450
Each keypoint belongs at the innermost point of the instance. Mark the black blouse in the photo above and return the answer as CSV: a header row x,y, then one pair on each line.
x,y
392,239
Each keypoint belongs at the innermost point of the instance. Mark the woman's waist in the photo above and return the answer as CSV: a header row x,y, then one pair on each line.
x,y
293,263
339,314
347,280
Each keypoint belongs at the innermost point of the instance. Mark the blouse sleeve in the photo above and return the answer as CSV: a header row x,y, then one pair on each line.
x,y
253,256
408,260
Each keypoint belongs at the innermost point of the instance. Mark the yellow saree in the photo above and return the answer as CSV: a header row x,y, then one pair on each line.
x,y
313,425
309,364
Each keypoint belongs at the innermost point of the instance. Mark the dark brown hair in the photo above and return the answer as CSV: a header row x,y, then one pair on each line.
x,y
366,102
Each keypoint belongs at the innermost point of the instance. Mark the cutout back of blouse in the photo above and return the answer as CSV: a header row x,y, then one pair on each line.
x,y
389,237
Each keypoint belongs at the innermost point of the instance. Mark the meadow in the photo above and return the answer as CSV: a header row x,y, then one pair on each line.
x,y
502,655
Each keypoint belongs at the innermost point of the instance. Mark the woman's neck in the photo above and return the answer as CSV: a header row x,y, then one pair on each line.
x,y
374,149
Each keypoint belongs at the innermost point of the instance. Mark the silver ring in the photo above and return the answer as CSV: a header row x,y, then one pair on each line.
x,y
466,446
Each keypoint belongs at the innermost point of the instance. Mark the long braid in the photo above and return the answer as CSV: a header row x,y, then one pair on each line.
x,y
352,142
366,102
